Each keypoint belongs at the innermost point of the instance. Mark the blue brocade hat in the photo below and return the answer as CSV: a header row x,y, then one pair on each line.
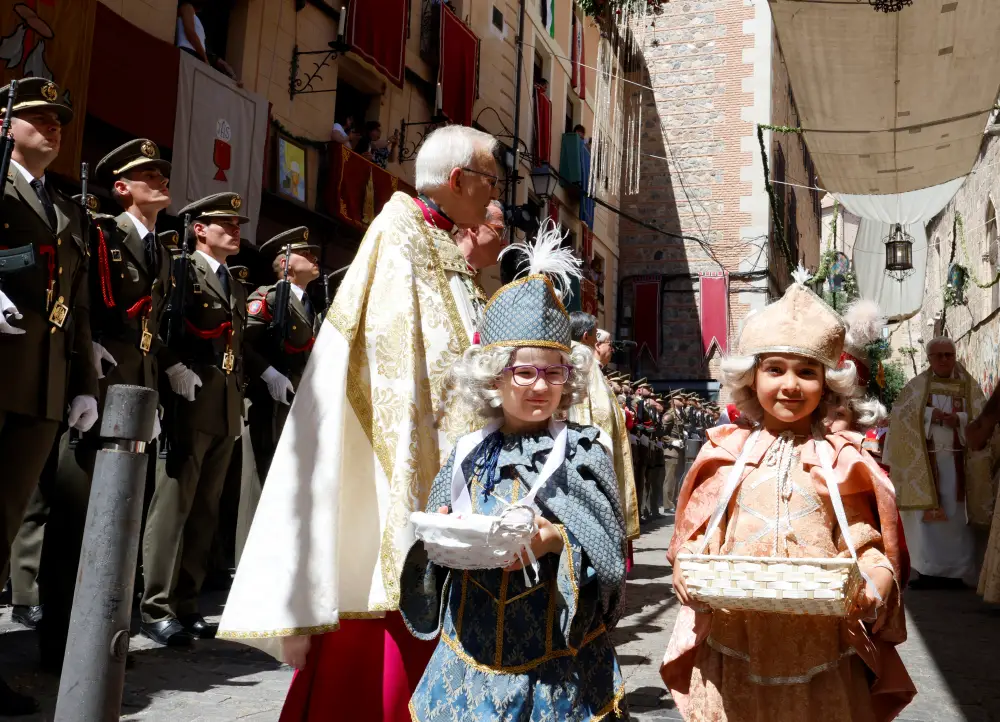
x,y
529,310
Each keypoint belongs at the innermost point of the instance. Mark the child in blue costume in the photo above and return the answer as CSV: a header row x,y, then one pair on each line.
x,y
512,649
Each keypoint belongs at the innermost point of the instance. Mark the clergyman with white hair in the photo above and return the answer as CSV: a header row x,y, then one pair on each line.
x,y
942,486
317,585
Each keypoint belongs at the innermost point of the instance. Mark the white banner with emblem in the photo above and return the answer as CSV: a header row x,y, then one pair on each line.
x,y
220,136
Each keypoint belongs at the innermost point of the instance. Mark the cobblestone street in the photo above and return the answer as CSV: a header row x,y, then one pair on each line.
x,y
950,655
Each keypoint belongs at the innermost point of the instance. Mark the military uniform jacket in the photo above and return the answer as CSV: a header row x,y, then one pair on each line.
x,y
128,299
42,370
213,323
288,357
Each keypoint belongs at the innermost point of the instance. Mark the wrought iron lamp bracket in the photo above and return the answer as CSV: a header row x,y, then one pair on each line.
x,y
298,85
408,152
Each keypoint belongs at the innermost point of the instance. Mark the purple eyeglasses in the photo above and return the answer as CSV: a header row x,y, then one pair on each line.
x,y
526,374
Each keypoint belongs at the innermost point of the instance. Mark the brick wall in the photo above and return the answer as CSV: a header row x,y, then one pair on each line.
x,y
716,71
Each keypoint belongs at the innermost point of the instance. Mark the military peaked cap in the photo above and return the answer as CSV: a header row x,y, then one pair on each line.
x,y
35,93
132,156
219,205
296,238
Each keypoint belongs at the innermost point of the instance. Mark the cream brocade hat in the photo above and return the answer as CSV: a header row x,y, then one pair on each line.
x,y
799,323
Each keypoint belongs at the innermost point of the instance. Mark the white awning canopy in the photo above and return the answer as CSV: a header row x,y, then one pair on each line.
x,y
893,102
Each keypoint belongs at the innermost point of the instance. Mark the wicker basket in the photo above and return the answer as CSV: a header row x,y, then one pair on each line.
x,y
822,587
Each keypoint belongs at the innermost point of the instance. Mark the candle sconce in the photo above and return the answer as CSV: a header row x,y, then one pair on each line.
x,y
298,85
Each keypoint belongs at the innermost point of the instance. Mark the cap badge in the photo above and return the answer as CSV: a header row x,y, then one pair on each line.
x,y
236,203
148,149
92,203
49,92
305,235
244,273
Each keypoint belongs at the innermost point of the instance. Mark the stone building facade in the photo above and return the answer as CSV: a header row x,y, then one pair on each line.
x,y
716,71
258,39
974,321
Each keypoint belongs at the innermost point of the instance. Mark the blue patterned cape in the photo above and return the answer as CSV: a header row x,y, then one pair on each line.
x,y
517,653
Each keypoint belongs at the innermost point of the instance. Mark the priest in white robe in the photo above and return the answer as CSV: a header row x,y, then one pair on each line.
x,y
368,430
942,487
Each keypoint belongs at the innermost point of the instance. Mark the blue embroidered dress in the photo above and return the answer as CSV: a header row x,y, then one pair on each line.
x,y
512,652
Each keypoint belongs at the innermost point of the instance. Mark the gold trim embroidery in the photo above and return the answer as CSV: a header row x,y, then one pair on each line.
x,y
286,632
456,647
561,528
501,611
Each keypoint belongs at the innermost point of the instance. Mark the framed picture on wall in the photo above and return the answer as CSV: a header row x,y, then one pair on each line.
x,y
291,169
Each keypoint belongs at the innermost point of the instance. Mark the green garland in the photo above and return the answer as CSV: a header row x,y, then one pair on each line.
x,y
779,225
596,8
309,142
960,224
780,128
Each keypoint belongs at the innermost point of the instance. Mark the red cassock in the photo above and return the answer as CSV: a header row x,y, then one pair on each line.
x,y
350,670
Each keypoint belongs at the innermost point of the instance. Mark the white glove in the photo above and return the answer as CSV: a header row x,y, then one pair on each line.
x,y
278,385
102,354
82,413
156,427
183,381
9,310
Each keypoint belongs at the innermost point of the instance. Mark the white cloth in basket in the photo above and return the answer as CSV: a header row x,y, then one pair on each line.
x,y
465,540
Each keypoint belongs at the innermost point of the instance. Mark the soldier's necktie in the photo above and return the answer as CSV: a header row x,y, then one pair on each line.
x,y
149,245
43,197
223,276
307,305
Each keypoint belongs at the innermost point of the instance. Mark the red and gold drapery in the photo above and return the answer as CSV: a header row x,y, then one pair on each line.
x,y
543,127
458,68
713,297
151,84
646,317
358,188
376,31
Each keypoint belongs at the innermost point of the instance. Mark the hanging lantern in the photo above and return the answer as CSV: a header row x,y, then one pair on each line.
x,y
898,253
889,6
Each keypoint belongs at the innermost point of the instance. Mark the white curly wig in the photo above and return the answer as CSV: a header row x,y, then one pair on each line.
x,y
739,372
475,377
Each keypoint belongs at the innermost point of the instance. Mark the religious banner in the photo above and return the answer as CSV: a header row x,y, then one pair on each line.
x,y
52,39
646,317
458,69
376,32
543,127
713,301
357,188
220,136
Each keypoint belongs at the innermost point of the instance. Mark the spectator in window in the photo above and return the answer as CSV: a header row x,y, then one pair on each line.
x,y
342,132
373,147
582,132
191,37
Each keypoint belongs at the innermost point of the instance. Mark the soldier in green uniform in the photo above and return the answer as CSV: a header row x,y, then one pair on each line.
x,y
207,370
129,283
286,350
45,346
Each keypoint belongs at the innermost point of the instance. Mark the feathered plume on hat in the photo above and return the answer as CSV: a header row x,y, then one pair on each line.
x,y
529,311
864,327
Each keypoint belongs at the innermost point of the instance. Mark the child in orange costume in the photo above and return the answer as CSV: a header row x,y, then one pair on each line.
x,y
732,666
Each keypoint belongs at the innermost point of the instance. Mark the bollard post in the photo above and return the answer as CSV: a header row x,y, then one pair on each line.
x,y
93,672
